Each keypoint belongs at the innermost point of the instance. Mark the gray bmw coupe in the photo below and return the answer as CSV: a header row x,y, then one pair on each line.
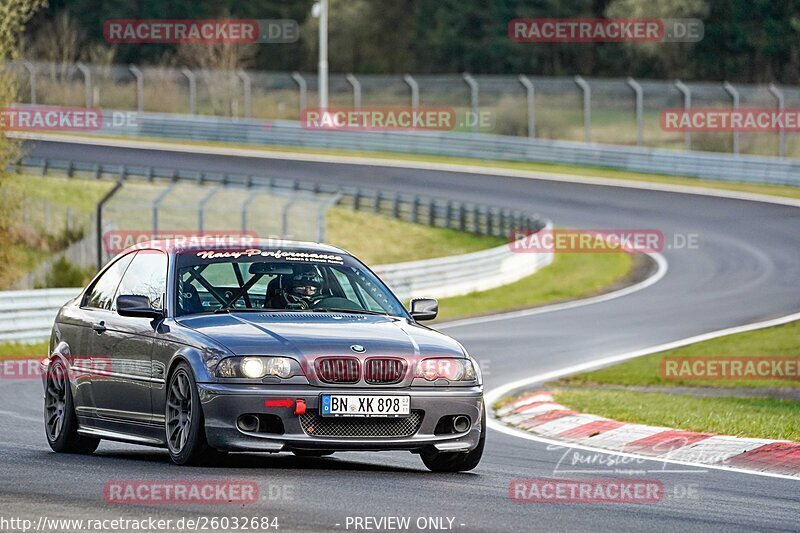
x,y
298,348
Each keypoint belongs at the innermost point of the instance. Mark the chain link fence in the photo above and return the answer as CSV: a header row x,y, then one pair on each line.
x,y
610,111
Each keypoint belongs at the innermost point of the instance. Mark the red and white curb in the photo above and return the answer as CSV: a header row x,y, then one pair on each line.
x,y
539,414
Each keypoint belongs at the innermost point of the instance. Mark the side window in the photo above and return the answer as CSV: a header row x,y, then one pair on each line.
x,y
147,276
102,294
346,284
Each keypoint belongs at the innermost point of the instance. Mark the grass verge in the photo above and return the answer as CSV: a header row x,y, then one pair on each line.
x,y
569,277
707,409
766,418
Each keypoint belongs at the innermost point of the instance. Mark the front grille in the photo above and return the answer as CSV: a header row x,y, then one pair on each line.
x,y
325,426
338,369
384,371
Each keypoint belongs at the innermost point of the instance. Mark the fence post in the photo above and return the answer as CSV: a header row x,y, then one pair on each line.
x,y
285,217
587,108
778,94
473,98
248,94
31,68
99,220
731,90
201,211
529,90
246,208
87,82
139,87
192,90
323,209
157,204
353,81
687,108
415,209
414,86
637,90
303,88
396,205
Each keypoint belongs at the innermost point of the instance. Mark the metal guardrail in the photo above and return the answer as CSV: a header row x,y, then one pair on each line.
x,y
705,165
27,316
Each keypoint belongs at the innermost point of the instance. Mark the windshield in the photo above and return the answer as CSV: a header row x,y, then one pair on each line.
x,y
224,281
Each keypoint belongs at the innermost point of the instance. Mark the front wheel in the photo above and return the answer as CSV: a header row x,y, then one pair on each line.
x,y
185,426
60,421
456,461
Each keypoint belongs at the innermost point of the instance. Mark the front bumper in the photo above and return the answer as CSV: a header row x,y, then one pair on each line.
x,y
223,404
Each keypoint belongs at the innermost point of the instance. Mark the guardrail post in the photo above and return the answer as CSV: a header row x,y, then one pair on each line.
x,y
473,98
157,204
490,223
414,86
192,89
462,217
639,93
376,207
448,213
87,82
431,212
99,220
415,209
31,68
396,205
303,88
139,87
530,95
587,108
687,108
202,208
247,85
731,90
353,81
778,94
475,219
357,200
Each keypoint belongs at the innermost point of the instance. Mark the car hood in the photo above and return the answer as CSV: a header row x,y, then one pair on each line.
x,y
308,335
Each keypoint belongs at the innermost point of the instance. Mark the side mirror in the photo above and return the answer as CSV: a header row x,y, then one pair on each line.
x,y
136,306
424,308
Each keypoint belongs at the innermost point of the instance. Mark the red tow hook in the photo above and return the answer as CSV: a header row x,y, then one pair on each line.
x,y
300,407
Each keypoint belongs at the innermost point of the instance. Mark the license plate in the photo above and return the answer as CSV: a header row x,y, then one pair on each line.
x,y
347,405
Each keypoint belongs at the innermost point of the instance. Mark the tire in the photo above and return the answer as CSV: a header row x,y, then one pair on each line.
x,y
456,461
312,453
60,421
184,423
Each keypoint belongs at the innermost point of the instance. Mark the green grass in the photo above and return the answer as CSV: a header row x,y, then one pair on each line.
x,y
79,194
570,276
744,417
645,371
17,351
379,239
785,191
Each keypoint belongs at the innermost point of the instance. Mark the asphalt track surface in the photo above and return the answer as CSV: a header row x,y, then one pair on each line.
x,y
746,269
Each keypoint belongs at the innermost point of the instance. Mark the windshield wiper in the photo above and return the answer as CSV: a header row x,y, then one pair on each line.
x,y
345,310
231,309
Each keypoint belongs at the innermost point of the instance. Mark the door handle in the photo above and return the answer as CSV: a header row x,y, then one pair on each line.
x,y
99,327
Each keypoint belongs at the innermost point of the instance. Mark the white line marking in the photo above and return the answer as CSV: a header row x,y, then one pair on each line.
x,y
498,392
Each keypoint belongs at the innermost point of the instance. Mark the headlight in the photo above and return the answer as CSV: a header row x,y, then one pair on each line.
x,y
448,368
258,367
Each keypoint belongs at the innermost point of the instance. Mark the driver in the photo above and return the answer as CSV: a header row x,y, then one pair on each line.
x,y
303,289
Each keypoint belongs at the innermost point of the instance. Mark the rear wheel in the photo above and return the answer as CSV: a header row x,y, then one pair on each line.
x,y
60,422
456,461
185,426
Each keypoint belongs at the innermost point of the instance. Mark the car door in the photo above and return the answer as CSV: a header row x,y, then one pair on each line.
x,y
127,342
93,313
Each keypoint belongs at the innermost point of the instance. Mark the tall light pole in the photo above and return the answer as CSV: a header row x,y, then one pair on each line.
x,y
321,10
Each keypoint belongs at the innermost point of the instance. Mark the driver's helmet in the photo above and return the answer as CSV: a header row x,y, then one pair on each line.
x,y
303,287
